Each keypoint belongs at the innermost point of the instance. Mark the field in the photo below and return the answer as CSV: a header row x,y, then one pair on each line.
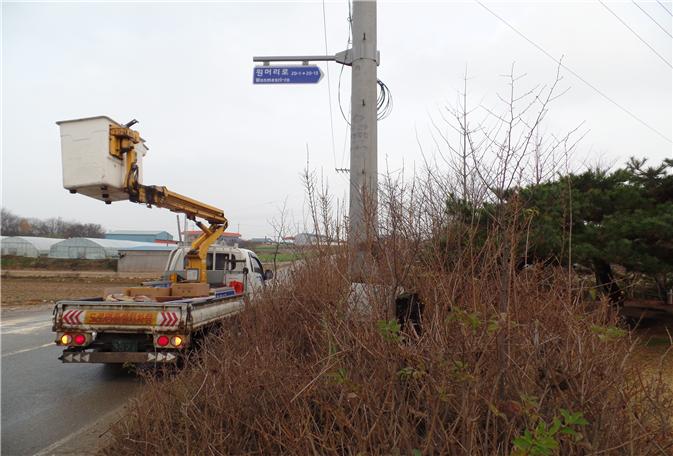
x,y
57,264
266,253
47,290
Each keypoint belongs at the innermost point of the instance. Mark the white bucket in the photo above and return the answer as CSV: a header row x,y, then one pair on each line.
x,y
88,167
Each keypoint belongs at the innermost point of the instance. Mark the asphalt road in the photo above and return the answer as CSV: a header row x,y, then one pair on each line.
x,y
44,401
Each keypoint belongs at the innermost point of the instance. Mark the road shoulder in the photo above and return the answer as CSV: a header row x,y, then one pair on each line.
x,y
88,440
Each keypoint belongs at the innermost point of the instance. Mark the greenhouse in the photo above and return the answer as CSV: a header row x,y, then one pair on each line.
x,y
27,246
91,248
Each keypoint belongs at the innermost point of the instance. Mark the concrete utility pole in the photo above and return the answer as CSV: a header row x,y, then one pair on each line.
x,y
363,58
364,167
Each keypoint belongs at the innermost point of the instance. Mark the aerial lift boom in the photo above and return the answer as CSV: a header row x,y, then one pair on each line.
x,y
122,146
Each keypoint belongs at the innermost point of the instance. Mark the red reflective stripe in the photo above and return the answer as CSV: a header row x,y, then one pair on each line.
x,y
169,319
72,317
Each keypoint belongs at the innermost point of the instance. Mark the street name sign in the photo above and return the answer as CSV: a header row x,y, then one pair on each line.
x,y
287,74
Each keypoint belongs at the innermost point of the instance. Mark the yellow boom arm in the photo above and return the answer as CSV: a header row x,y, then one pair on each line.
x,y
122,140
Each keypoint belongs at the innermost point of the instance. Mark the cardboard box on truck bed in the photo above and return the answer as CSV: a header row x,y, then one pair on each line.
x,y
150,292
190,290
107,291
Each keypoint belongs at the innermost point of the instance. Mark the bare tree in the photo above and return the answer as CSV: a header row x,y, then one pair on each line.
x,y
281,229
490,158
13,225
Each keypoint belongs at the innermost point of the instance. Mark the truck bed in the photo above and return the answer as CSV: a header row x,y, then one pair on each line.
x,y
184,315
124,331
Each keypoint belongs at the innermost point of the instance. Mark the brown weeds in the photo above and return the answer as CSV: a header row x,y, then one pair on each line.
x,y
299,372
507,360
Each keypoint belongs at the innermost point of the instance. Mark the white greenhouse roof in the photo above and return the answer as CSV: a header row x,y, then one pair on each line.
x,y
107,243
40,243
140,232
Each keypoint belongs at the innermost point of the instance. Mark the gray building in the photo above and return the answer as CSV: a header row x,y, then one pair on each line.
x,y
264,240
144,258
302,239
227,238
139,236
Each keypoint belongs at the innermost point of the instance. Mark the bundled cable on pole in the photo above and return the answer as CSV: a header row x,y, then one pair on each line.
x,y
384,101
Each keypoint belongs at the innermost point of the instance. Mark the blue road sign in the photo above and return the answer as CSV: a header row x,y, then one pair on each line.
x,y
288,74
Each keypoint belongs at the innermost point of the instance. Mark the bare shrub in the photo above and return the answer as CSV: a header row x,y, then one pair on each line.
x,y
298,373
505,361
301,372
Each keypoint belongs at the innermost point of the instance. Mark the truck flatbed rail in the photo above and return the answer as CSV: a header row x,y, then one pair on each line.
x,y
183,315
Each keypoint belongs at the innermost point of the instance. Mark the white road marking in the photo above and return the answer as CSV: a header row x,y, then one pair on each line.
x,y
27,329
50,344
18,321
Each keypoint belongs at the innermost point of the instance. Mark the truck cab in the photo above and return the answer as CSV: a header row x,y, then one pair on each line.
x,y
224,264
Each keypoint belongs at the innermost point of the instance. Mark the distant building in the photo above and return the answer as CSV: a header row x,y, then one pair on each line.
x,y
264,240
140,236
227,238
309,239
151,258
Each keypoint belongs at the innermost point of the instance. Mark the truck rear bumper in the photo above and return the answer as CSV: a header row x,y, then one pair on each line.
x,y
118,357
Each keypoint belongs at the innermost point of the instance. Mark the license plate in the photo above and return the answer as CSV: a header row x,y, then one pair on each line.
x,y
125,346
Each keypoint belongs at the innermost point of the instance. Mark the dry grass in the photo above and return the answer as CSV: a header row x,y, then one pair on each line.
x,y
22,291
301,373
506,361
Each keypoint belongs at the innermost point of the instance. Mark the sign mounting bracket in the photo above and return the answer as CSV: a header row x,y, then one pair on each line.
x,y
344,57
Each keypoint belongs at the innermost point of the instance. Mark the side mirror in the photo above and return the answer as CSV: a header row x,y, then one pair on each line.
x,y
268,274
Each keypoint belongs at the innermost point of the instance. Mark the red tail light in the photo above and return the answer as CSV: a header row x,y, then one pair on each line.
x,y
162,341
80,339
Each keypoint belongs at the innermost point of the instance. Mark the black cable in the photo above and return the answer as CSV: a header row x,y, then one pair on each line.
x,y
384,101
348,43
339,96
568,69
636,34
665,9
651,18
348,124
329,84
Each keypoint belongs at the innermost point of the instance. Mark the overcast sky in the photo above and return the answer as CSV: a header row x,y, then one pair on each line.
x,y
185,72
